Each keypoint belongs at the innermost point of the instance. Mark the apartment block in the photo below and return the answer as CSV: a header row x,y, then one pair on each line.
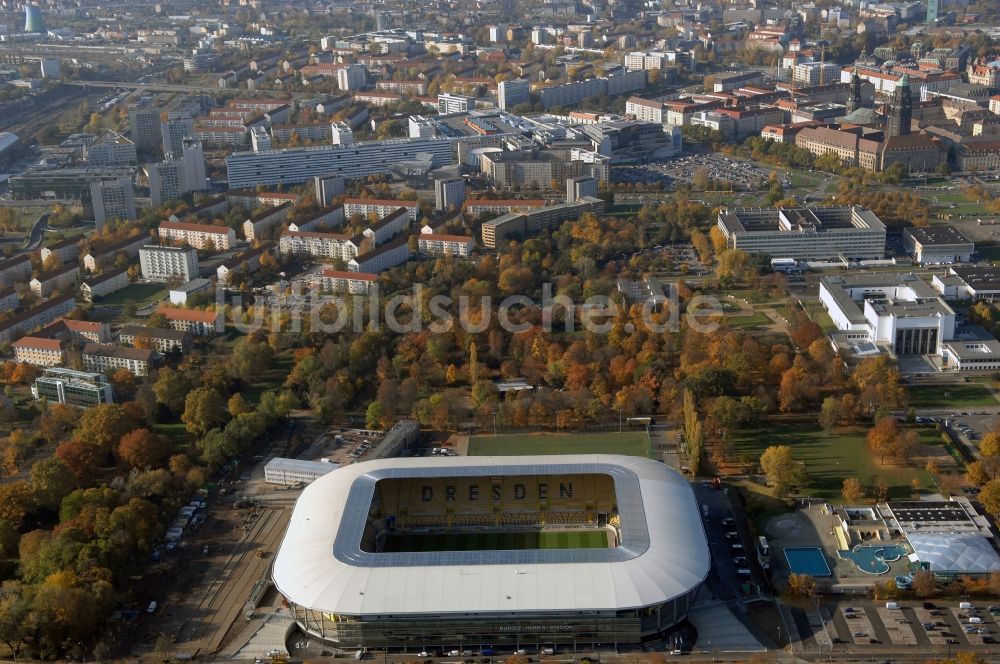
x,y
340,281
65,251
39,315
62,278
432,244
320,245
198,323
107,358
260,225
199,236
39,351
104,284
162,340
525,224
382,258
168,263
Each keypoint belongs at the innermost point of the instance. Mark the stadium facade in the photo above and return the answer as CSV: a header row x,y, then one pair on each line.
x,y
580,550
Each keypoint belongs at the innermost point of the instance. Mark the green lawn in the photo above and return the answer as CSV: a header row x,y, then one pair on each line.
x,y
830,458
138,294
517,541
950,396
177,434
751,320
630,443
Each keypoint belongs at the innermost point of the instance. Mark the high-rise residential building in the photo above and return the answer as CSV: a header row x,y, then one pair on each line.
x,y
72,388
512,93
260,140
179,125
341,134
449,194
168,263
932,10
327,188
144,126
580,187
33,19
900,109
170,179
164,182
111,150
193,165
451,103
112,199
50,68
351,77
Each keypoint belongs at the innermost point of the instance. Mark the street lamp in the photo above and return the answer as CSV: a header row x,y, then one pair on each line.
x,y
619,420
494,422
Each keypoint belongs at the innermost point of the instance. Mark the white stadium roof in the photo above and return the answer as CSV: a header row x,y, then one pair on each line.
x,y
664,553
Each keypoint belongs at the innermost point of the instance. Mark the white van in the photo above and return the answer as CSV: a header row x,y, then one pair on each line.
x,y
975,620
891,605
965,605
743,571
151,608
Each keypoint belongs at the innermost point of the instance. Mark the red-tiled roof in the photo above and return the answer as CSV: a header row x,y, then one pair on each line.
x,y
38,342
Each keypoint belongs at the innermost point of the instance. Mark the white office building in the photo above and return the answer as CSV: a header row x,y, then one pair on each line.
x,y
451,103
805,233
168,263
897,313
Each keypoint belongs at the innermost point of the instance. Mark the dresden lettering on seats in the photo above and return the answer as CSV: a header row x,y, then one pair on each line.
x,y
473,492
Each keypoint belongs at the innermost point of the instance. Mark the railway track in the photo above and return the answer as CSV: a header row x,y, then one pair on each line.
x,y
221,601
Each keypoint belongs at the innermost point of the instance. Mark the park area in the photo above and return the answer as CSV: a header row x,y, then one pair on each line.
x,y
630,443
967,395
140,295
831,457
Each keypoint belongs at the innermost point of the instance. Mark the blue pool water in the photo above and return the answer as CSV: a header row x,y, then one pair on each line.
x,y
874,558
807,560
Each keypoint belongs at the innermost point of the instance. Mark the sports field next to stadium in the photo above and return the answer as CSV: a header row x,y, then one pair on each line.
x,y
509,541
630,443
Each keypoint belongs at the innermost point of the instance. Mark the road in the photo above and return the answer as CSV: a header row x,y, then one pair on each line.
x,y
34,237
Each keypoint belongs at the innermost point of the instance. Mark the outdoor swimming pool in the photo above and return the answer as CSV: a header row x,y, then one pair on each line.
x,y
807,560
874,558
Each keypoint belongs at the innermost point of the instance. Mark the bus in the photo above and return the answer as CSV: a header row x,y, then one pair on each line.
x,y
763,553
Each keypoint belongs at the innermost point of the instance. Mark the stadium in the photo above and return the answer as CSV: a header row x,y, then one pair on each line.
x,y
493,552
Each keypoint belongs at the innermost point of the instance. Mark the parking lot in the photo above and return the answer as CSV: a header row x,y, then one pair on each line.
x,y
916,624
743,175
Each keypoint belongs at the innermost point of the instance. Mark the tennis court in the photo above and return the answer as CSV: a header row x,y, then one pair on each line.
x,y
497,541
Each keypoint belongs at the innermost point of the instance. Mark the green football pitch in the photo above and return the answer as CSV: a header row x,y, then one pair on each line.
x,y
631,443
553,539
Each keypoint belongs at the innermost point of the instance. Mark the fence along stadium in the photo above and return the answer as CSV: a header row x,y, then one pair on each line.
x,y
473,552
